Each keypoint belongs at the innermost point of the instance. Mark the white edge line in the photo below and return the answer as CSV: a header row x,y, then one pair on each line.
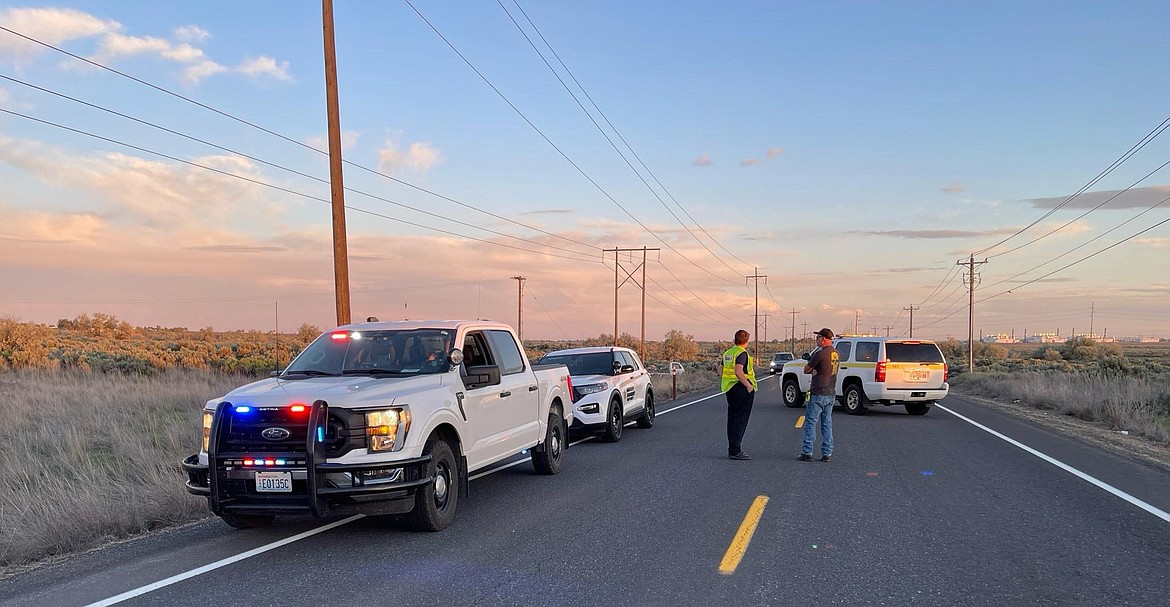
x,y
1162,514
300,536
220,563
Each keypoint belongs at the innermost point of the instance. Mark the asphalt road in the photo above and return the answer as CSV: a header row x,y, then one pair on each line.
x,y
930,510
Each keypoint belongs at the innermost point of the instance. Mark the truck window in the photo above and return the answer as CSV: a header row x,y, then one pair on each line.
x,y
913,353
505,346
867,351
475,351
627,359
843,349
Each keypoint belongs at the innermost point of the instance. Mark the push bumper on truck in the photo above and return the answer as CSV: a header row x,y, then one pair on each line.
x,y
274,461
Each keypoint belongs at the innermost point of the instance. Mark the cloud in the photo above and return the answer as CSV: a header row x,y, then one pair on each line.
x,y
49,25
749,162
237,248
257,67
202,70
348,140
35,226
953,188
191,33
114,46
420,157
931,234
1137,198
774,152
703,161
549,212
1158,243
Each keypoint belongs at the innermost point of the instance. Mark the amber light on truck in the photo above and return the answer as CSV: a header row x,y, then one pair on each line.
x,y
207,417
386,430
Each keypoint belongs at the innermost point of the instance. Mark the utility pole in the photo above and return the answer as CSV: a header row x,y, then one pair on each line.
x,y
756,330
765,317
912,309
1092,311
794,313
856,322
971,280
887,330
617,266
276,305
520,308
336,185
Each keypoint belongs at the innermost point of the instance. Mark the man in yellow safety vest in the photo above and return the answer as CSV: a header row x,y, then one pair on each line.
x,y
739,384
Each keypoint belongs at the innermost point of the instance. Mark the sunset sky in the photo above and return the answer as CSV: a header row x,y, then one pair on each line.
x,y
851,151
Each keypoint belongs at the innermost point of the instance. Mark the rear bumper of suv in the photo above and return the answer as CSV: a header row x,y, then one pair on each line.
x,y
882,394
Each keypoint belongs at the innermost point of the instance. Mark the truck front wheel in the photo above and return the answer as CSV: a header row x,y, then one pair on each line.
x,y
547,458
435,503
247,521
791,393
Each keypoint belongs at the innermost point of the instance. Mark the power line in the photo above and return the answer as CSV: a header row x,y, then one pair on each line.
x,y
1082,215
607,121
1116,163
284,168
557,148
283,189
287,138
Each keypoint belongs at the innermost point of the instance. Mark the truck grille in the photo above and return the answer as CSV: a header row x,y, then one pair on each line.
x,y
277,431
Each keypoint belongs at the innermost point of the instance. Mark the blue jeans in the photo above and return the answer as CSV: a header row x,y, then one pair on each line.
x,y
818,409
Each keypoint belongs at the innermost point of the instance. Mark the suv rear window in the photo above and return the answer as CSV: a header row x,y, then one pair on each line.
x,y
913,353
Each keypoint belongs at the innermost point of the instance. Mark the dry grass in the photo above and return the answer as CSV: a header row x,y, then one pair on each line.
x,y
1137,404
86,458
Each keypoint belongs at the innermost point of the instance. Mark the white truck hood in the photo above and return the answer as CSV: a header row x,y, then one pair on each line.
x,y
349,391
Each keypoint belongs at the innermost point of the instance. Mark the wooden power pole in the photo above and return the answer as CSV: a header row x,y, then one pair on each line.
x,y
337,186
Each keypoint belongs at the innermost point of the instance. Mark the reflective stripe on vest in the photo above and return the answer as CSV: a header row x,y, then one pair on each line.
x,y
729,379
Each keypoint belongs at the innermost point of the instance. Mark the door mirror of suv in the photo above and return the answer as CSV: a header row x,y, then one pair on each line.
x,y
627,369
805,356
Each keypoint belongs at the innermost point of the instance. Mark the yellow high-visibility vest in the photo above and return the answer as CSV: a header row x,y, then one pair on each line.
x,y
729,379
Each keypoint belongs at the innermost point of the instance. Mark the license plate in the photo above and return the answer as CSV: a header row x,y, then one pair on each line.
x,y
274,482
917,375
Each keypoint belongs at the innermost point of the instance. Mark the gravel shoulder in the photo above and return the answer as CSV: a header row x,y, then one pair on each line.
x,y
1095,433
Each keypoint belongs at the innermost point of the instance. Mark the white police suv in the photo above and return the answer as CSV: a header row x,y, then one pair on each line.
x,y
611,386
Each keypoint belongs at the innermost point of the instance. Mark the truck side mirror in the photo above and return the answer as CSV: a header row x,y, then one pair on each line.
x,y
805,356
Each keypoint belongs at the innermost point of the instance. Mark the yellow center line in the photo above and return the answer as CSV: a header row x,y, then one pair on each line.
x,y
743,537
800,422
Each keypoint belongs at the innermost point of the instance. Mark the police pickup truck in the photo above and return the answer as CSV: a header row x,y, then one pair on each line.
x,y
380,418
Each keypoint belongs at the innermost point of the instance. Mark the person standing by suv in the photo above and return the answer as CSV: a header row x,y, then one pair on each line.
x,y
739,384
819,409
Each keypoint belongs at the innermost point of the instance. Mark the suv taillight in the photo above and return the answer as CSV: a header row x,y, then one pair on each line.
x,y
946,372
879,372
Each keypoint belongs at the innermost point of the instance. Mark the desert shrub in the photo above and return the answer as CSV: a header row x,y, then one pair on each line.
x,y
1050,354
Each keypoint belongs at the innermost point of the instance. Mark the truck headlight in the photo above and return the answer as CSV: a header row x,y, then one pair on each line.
x,y
207,417
591,388
386,430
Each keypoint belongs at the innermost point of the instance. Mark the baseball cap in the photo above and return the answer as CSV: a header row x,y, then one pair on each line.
x,y
826,333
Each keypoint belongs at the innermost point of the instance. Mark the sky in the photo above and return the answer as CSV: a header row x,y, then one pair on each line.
x,y
167,163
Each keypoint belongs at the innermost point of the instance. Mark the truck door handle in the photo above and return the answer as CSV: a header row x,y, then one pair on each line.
x,y
505,394
533,388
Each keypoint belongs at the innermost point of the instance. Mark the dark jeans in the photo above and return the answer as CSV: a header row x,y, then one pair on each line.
x,y
739,409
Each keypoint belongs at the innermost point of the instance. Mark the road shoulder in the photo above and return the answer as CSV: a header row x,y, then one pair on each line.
x,y
1094,433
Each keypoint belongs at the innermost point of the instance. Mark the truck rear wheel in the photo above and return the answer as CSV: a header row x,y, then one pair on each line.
x,y
548,457
917,408
854,400
435,503
647,418
247,521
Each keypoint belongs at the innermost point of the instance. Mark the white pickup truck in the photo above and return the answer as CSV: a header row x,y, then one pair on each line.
x,y
380,418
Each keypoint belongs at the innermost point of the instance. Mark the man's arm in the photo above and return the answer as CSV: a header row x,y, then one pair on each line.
x,y
742,377
808,367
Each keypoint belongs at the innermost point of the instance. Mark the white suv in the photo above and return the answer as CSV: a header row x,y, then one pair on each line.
x,y
610,387
886,370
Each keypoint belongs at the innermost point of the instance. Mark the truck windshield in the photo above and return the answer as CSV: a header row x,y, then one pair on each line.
x,y
383,353
596,363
